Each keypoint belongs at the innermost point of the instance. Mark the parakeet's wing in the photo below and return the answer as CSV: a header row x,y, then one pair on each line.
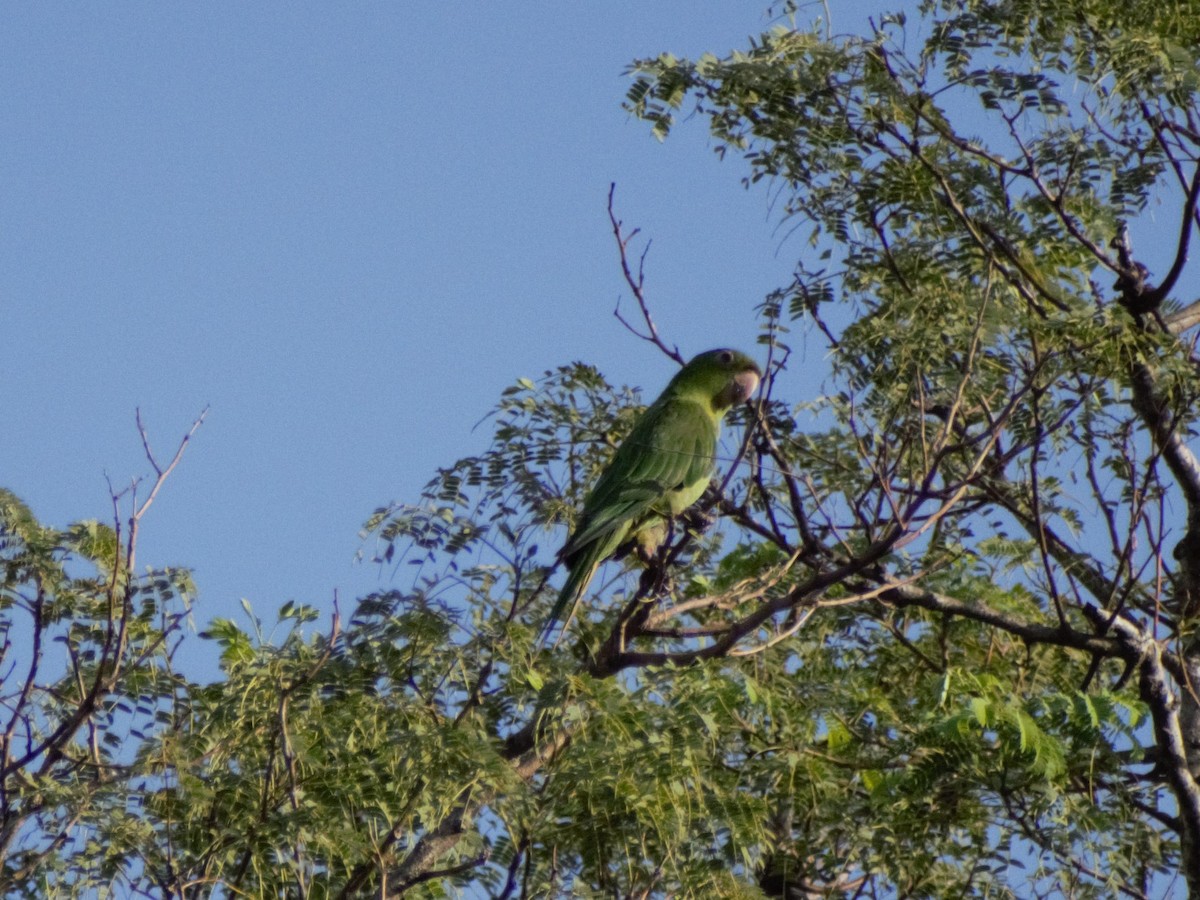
x,y
669,450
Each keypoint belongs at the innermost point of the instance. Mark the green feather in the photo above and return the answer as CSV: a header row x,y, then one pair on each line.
x,y
659,470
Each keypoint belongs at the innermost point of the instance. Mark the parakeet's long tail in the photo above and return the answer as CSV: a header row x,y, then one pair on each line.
x,y
582,568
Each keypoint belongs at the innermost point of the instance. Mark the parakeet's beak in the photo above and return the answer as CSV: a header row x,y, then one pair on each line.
x,y
744,385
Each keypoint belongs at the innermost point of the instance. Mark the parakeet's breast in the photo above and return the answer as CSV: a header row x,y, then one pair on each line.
x,y
680,499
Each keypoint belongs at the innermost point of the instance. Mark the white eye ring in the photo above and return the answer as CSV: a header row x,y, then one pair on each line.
x,y
726,356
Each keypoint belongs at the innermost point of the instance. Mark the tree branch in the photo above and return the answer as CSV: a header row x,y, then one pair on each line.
x,y
636,283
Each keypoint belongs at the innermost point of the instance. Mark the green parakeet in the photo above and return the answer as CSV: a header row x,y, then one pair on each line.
x,y
658,471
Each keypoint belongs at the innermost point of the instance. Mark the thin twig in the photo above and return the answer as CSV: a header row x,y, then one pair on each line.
x,y
636,283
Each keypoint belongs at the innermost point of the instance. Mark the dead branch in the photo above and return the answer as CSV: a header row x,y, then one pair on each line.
x,y
636,283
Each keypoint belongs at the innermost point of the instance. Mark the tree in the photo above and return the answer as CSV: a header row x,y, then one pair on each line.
x,y
939,640
86,649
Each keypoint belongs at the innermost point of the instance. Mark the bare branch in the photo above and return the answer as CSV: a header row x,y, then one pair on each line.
x,y
636,284
1181,321
1061,636
1155,297
161,472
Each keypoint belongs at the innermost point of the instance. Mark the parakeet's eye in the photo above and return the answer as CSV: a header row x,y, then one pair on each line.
x,y
726,357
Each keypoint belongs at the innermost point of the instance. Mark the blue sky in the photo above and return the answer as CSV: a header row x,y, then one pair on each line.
x,y
345,228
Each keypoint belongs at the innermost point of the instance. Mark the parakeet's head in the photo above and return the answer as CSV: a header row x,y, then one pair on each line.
x,y
724,377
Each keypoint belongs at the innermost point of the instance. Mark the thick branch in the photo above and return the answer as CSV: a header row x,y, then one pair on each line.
x,y
1060,636
1156,691
1175,452
1155,297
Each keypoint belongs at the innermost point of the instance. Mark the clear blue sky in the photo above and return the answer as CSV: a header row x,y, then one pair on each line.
x,y
345,228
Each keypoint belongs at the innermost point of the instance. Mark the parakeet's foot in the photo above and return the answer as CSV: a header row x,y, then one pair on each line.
x,y
656,580
698,521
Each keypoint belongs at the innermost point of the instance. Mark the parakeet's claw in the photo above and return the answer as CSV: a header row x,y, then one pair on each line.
x,y
698,521
665,584
651,576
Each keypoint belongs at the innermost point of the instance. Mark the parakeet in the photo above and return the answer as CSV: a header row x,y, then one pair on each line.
x,y
658,471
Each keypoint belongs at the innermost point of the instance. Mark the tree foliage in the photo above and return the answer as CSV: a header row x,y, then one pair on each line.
x,y
932,632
